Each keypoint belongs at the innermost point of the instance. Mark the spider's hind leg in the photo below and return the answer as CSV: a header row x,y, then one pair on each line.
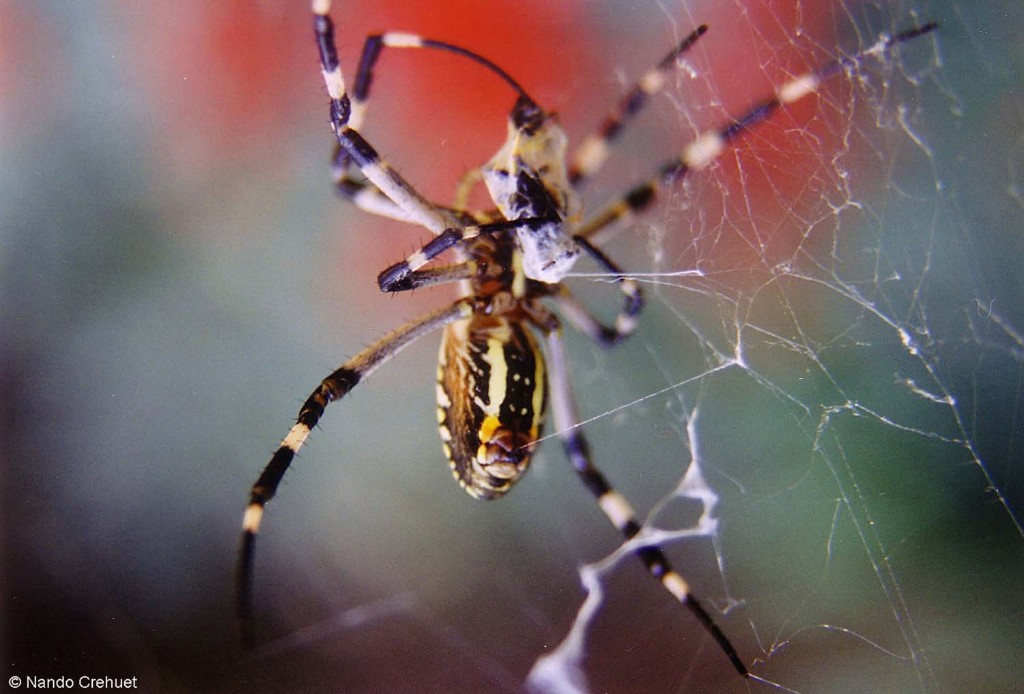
x,y
613,504
336,386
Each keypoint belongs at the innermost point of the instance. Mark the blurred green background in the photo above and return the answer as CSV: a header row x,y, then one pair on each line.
x,y
836,315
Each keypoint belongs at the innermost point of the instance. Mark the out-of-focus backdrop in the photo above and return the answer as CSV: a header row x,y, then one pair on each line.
x,y
833,339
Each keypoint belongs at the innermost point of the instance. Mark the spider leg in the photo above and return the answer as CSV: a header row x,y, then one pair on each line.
x,y
376,43
584,321
348,113
614,505
364,195
356,149
592,154
368,198
587,323
432,276
332,388
464,188
396,277
709,145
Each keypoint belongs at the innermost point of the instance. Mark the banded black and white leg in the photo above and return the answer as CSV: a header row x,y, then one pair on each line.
x,y
584,321
333,388
594,151
354,147
405,274
348,111
612,503
709,145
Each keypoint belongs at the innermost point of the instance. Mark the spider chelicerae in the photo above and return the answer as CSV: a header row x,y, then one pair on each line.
x,y
493,387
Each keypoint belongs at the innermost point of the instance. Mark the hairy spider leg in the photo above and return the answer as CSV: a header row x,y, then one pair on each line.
x,y
401,276
592,154
709,145
414,207
584,321
365,195
612,503
332,388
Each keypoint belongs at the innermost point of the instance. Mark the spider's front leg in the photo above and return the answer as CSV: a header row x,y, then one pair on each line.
x,y
362,193
406,274
332,388
709,145
406,203
591,156
384,192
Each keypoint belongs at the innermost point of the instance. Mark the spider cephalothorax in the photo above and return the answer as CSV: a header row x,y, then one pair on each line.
x,y
528,180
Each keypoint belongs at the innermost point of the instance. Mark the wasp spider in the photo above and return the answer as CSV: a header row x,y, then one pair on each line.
x,y
493,383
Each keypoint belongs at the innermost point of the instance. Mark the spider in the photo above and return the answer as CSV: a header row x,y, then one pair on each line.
x,y
493,381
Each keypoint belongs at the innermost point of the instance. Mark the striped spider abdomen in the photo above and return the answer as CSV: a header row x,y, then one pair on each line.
x,y
491,401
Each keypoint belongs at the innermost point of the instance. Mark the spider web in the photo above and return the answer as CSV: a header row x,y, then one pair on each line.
x,y
819,416
838,369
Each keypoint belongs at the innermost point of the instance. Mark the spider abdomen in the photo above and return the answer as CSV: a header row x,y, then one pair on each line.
x,y
491,401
